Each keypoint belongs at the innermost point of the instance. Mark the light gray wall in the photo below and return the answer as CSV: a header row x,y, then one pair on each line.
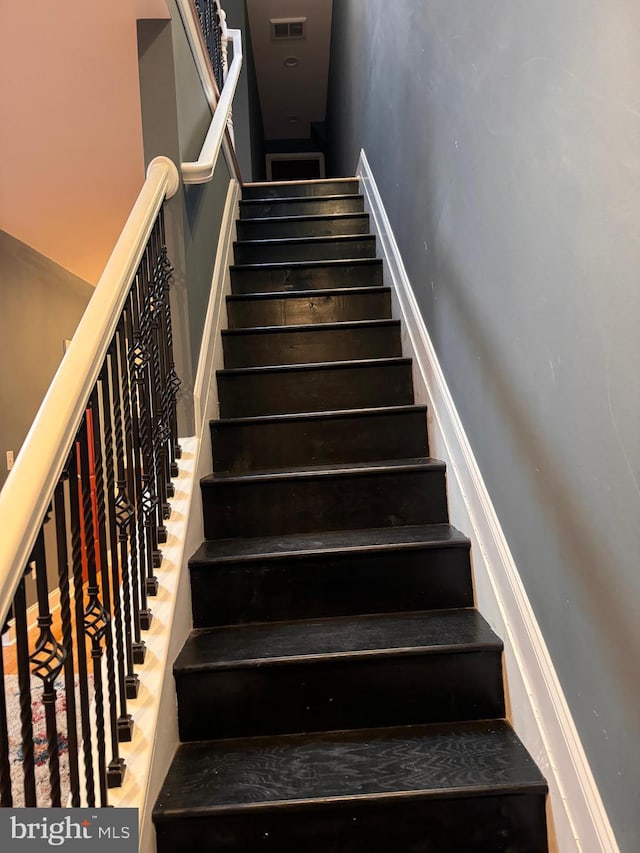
x,y
505,139
42,304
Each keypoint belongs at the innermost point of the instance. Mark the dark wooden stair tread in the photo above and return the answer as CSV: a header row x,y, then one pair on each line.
x,y
319,365
384,466
296,217
434,632
296,241
456,759
310,416
248,202
326,293
221,551
347,325
329,263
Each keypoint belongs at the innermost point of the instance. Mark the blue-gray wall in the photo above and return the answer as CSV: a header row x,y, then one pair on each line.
x,y
505,140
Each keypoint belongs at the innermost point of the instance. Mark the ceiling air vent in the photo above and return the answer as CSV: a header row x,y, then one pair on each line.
x,y
288,28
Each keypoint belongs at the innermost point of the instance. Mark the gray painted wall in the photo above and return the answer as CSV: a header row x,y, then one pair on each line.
x,y
504,138
42,304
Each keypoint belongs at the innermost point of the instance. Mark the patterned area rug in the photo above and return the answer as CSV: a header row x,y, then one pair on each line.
x,y
41,758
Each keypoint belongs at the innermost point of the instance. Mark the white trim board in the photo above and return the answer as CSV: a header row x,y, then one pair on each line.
x,y
537,706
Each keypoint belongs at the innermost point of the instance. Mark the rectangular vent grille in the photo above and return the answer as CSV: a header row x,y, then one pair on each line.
x,y
288,28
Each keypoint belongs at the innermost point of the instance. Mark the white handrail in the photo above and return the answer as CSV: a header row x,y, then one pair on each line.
x,y
31,483
201,171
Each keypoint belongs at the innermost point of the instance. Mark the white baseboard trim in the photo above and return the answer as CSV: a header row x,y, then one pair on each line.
x,y
154,711
537,707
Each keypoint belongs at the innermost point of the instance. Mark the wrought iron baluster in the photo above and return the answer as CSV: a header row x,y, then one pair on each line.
x,y
76,511
67,637
6,794
132,467
96,618
124,512
116,767
144,486
172,382
47,659
110,424
152,295
24,687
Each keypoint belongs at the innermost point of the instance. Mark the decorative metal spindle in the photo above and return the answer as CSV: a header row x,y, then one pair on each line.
x,y
47,659
132,468
116,768
141,310
6,795
172,382
160,365
124,513
110,423
76,509
153,294
145,497
24,687
212,31
96,618
67,638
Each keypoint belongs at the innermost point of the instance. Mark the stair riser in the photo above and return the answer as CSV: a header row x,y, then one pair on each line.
x,y
297,190
331,585
320,249
311,346
316,390
340,694
317,277
301,227
296,311
503,823
302,207
242,447
273,507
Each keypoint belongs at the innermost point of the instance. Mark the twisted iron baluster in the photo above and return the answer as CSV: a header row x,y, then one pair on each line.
x,y
125,343
47,659
160,428
75,504
96,618
67,636
116,768
24,687
171,381
110,421
123,510
6,795
146,500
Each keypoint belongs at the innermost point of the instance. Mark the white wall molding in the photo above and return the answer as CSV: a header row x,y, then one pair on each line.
x,y
149,755
537,706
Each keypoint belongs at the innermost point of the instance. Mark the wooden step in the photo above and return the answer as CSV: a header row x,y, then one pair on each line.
x,y
279,227
306,275
309,344
340,305
283,441
331,205
304,249
333,497
254,391
296,189
336,573
330,674
466,787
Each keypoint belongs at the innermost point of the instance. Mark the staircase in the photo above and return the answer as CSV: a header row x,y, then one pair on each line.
x,y
339,691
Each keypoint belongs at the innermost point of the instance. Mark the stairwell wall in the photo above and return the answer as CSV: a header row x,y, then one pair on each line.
x,y
504,141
